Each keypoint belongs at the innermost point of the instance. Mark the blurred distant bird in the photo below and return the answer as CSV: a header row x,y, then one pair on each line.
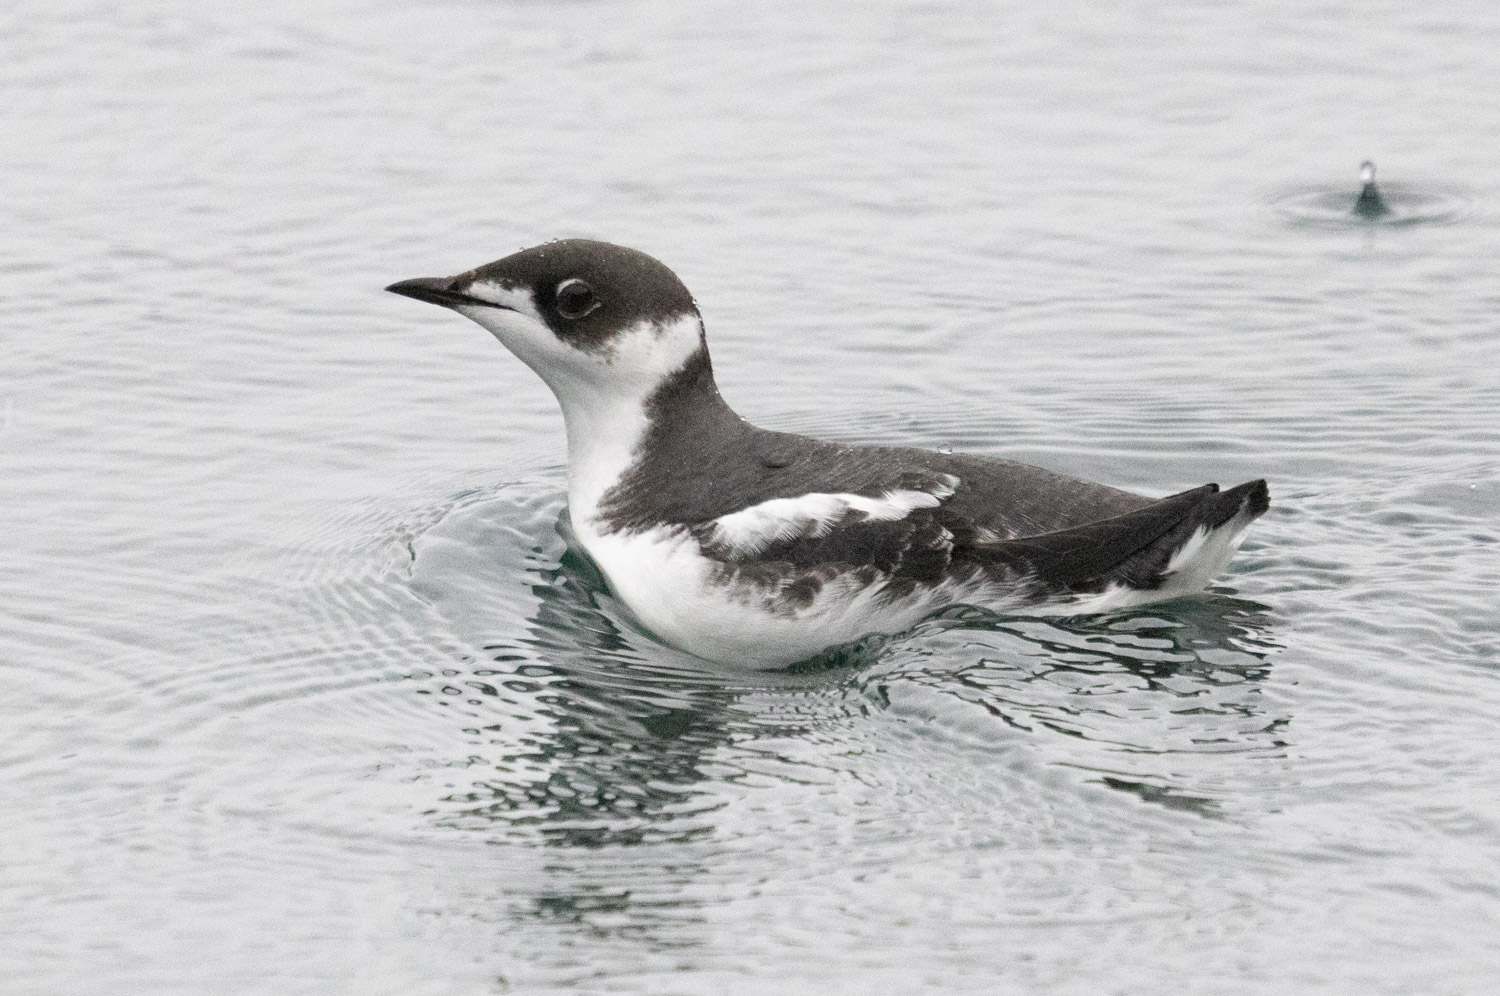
x,y
1370,204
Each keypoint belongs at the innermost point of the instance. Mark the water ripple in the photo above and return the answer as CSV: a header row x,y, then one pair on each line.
x,y
1408,204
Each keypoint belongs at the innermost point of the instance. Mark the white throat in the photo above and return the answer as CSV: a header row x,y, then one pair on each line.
x,y
604,436
602,391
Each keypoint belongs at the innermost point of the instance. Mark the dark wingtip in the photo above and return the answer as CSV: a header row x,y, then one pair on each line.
x,y
1255,495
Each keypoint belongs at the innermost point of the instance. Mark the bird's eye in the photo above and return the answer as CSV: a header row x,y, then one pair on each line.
x,y
575,298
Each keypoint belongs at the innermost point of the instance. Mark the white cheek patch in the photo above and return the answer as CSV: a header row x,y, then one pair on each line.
x,y
514,298
749,531
653,349
518,331
514,320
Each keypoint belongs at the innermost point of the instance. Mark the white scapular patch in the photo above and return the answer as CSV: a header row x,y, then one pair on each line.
x,y
749,531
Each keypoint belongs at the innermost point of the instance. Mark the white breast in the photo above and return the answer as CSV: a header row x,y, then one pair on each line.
x,y
688,601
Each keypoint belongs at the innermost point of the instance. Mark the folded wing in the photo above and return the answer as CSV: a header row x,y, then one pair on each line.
x,y
912,534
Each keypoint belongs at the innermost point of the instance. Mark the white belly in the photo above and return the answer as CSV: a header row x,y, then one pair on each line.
x,y
681,597
684,599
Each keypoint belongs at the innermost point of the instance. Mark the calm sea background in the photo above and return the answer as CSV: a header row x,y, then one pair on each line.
x,y
301,692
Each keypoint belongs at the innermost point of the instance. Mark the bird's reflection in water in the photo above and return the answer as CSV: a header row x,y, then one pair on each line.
x,y
581,742
612,750
1141,700
629,752
630,743
635,768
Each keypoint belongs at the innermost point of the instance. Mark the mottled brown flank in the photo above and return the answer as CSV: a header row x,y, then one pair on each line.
x,y
630,285
803,591
933,545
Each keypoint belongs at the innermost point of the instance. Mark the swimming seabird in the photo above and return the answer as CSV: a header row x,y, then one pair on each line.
x,y
744,545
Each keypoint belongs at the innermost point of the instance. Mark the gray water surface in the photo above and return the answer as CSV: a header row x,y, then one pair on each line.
x,y
302,692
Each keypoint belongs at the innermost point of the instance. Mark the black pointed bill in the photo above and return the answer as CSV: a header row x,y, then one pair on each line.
x,y
439,290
